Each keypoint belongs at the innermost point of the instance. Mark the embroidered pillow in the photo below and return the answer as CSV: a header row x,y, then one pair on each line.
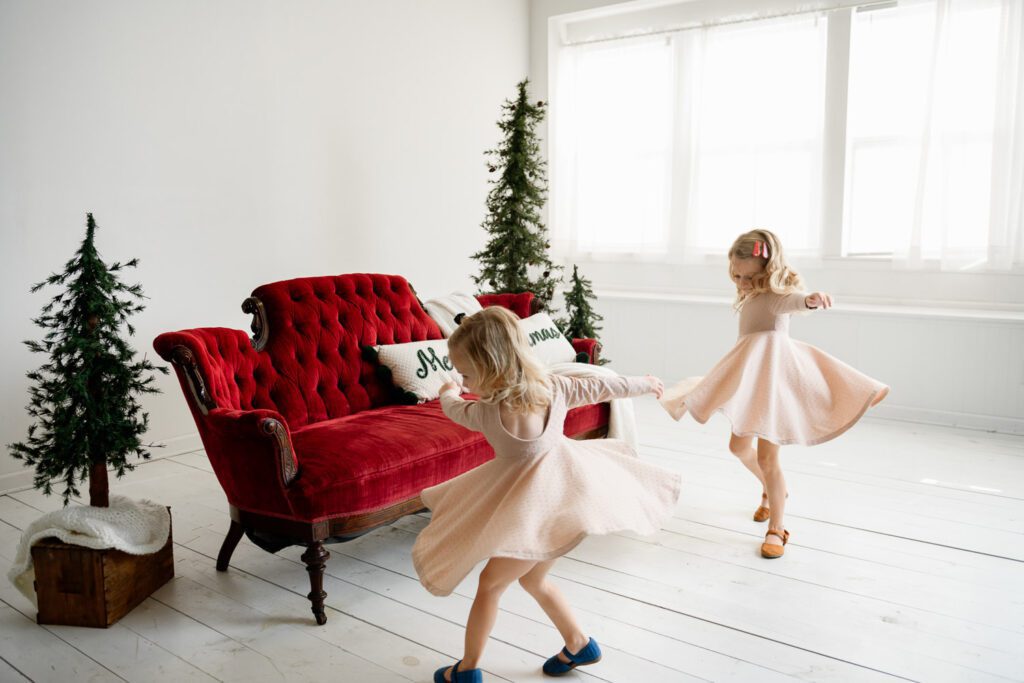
x,y
419,368
546,341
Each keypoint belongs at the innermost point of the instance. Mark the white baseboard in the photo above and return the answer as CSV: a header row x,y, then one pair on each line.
x,y
986,423
16,481
178,445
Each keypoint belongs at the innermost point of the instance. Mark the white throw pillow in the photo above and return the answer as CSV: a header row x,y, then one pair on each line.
x,y
546,341
445,309
419,368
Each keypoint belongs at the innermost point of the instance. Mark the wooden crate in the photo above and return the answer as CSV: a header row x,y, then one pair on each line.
x,y
78,586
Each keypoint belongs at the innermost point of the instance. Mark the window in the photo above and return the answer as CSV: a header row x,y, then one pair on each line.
x,y
619,131
920,128
756,137
890,131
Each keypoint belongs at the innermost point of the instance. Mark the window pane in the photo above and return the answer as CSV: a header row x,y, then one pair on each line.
x,y
919,128
881,194
622,126
758,133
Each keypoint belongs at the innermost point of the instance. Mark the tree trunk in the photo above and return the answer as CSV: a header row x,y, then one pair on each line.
x,y
99,490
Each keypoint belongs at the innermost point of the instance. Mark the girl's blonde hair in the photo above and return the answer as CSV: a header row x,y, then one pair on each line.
x,y
505,368
776,277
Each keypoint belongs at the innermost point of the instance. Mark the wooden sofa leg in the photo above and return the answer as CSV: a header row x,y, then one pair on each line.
x,y
229,545
316,558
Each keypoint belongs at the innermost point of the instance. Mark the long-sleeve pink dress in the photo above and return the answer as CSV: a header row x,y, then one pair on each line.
x,y
774,387
538,498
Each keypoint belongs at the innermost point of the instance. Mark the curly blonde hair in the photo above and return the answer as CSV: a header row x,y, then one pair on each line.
x,y
776,276
506,371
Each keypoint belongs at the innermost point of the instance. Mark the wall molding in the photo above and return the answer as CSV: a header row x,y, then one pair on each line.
x,y
957,313
950,366
983,423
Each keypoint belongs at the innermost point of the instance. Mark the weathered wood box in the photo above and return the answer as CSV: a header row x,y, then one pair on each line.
x,y
78,586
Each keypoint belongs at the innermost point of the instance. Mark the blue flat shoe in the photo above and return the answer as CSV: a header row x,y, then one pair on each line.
x,y
470,676
590,654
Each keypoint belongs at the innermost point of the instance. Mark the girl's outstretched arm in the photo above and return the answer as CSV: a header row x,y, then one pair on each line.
x,y
581,391
458,410
781,304
818,300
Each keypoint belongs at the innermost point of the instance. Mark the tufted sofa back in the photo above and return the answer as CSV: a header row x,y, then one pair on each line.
x,y
309,366
315,330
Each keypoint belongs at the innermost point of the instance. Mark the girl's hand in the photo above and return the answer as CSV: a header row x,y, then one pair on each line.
x,y
657,386
818,300
450,386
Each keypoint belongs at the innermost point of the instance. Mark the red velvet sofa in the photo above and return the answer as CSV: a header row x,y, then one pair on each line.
x,y
304,435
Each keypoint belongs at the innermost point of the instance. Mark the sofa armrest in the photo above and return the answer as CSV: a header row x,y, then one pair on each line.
x,y
251,452
211,364
591,347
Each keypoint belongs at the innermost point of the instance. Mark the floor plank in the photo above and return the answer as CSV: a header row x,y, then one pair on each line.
x,y
9,674
633,626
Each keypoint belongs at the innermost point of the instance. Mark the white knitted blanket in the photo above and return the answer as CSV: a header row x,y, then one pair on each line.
x,y
621,419
138,527
443,310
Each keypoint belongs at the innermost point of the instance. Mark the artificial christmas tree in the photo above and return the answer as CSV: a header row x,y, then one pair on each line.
x,y
581,318
85,402
85,395
515,258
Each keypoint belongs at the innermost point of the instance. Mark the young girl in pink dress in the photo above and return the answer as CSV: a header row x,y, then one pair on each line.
x,y
542,493
771,387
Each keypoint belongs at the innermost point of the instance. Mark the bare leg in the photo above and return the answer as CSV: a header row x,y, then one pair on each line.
x,y
498,574
743,448
551,600
768,460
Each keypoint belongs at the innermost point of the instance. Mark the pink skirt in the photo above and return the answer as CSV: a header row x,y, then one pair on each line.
x,y
778,389
539,508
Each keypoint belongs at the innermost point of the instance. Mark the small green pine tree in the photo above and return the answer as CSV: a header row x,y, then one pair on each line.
x,y
85,397
581,318
515,258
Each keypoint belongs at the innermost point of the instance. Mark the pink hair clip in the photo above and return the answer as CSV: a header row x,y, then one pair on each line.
x,y
760,248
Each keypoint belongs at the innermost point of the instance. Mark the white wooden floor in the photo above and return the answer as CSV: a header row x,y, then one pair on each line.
x,y
906,562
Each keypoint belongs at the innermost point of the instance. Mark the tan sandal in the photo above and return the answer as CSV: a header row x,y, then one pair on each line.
x,y
762,513
772,551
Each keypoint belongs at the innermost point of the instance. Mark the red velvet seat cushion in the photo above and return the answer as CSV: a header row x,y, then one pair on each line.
x,y
376,458
585,418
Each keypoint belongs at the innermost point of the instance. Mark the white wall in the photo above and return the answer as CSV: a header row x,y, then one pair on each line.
x,y
944,366
232,143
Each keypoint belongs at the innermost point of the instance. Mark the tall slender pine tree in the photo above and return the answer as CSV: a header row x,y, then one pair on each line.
x,y
85,397
515,258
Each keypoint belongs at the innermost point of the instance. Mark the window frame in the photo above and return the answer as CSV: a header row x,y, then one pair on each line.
x,y
864,279
833,238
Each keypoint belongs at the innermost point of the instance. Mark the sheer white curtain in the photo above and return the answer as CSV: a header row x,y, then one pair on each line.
x,y
612,138
935,134
1006,221
673,145
669,145
756,93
